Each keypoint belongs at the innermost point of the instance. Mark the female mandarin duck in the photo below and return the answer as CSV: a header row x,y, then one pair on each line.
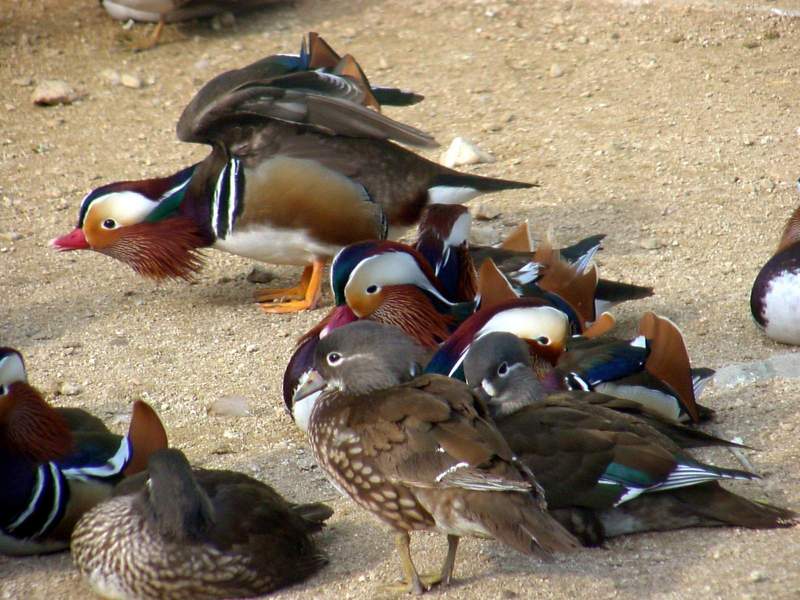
x,y
775,297
299,168
177,533
420,452
604,473
58,462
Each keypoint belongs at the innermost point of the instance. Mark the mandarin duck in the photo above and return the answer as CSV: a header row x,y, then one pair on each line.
x,y
178,533
601,469
299,168
775,296
420,452
442,238
383,281
650,373
172,11
653,370
58,462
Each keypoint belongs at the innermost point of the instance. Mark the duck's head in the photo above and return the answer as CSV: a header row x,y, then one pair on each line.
x,y
392,283
498,365
139,223
544,328
363,357
29,427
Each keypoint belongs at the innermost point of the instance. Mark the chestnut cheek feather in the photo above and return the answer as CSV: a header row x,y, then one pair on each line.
x,y
160,250
409,308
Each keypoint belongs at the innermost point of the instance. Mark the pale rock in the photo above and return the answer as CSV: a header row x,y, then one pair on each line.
x,y
786,365
483,234
130,81
464,152
230,406
650,244
53,91
22,81
70,389
484,211
556,70
110,76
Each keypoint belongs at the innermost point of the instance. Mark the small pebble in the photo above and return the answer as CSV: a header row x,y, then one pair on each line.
x,y
22,81
10,236
650,244
485,211
556,70
757,576
130,81
260,275
465,152
230,406
53,91
70,389
110,76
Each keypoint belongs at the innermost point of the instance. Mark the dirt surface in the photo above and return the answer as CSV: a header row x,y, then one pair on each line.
x,y
670,126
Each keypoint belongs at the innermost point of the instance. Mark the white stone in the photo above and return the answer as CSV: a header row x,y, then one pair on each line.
x,y
230,406
53,91
465,152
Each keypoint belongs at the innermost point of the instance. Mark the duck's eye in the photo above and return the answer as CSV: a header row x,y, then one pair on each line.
x,y
373,289
543,340
3,390
109,224
334,358
502,370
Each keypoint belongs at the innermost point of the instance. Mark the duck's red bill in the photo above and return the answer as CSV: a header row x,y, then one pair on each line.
x,y
74,240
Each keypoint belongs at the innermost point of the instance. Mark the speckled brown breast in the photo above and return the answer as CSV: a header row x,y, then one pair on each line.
x,y
339,451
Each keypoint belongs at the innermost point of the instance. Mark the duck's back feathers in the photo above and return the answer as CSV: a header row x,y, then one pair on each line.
x,y
328,103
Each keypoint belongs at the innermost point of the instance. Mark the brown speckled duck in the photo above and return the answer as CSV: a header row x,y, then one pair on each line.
x,y
420,453
604,473
177,533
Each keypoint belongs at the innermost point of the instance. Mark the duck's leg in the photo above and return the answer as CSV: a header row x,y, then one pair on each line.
x,y
152,41
414,582
304,296
411,582
449,561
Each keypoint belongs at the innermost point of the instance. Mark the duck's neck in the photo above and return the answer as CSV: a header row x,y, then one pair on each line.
x,y
215,194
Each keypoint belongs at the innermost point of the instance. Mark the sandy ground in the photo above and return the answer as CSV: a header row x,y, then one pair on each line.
x,y
673,128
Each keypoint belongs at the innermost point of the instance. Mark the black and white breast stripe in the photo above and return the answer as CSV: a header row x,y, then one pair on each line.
x,y
45,508
228,200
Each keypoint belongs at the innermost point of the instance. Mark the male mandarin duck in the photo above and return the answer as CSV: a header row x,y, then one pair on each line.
x,y
299,168
420,453
172,11
530,268
58,462
775,297
652,370
546,328
601,469
178,533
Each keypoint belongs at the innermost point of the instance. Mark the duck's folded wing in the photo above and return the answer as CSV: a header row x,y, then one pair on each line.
x,y
326,102
437,441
